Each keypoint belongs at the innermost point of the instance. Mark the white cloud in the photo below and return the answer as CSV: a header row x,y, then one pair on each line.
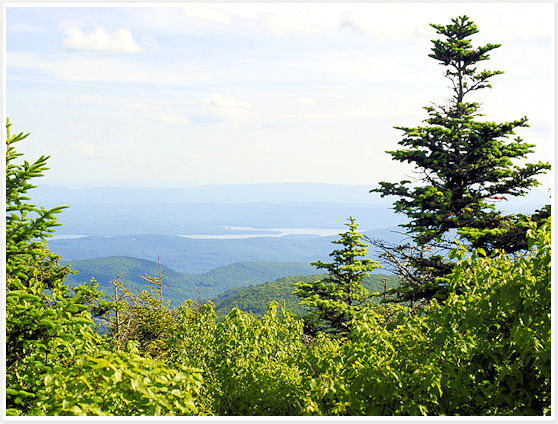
x,y
25,27
107,69
90,149
306,101
207,14
55,148
219,108
171,118
213,109
497,21
153,110
282,25
218,101
162,111
383,20
101,40
279,19
340,109
386,23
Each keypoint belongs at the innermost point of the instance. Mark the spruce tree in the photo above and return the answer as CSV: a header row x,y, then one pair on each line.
x,y
45,323
465,165
336,299
28,259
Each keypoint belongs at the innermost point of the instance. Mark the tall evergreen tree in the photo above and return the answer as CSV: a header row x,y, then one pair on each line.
x,y
337,298
465,166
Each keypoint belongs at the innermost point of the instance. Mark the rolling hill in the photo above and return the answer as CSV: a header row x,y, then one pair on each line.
x,y
179,286
256,299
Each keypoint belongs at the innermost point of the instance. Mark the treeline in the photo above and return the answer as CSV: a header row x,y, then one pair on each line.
x,y
180,286
464,333
256,299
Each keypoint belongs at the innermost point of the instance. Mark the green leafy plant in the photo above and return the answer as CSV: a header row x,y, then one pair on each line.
x,y
251,366
46,325
122,383
484,351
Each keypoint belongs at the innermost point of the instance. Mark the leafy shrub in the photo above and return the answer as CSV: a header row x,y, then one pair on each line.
x,y
484,351
250,365
122,383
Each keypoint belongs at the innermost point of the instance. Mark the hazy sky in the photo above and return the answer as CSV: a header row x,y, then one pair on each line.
x,y
255,92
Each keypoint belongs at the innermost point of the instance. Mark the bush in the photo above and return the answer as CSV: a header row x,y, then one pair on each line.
x,y
484,351
122,383
251,366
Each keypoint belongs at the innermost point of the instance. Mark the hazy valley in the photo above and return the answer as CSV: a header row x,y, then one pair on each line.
x,y
215,238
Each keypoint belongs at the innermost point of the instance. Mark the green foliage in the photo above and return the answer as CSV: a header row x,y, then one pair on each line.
x,y
500,329
256,299
465,164
142,318
251,366
337,298
485,351
28,260
44,334
45,324
122,383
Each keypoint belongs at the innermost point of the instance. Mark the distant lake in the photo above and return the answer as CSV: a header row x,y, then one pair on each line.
x,y
236,232
268,232
67,236
71,236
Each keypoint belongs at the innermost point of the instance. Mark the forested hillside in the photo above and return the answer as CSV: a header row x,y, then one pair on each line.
x,y
177,286
462,329
256,299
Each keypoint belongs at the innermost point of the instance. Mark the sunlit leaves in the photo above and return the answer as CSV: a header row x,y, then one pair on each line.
x,y
120,384
483,351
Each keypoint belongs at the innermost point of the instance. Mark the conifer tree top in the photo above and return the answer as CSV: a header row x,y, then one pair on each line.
x,y
463,165
457,53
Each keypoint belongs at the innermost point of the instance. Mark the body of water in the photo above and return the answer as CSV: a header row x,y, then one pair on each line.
x,y
269,232
67,236
241,233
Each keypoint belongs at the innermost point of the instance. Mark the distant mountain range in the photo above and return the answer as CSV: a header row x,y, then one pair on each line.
x,y
123,231
250,286
143,224
208,209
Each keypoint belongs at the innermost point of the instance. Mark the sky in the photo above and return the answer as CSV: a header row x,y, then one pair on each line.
x,y
216,93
